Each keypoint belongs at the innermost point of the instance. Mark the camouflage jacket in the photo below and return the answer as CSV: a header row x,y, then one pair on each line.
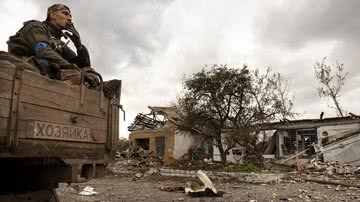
x,y
43,40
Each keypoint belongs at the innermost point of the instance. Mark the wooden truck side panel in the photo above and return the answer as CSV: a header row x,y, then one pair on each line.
x,y
54,119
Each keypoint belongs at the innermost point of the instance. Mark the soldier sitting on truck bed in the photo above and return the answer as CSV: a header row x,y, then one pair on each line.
x,y
40,44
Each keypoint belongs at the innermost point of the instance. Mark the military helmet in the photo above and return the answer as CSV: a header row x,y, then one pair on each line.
x,y
56,7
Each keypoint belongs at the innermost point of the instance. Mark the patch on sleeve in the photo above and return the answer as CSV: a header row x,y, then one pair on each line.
x,y
40,45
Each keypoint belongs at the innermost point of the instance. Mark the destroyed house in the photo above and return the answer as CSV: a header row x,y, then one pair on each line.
x,y
157,132
335,138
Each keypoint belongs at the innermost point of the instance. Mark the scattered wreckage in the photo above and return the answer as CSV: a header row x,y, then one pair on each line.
x,y
195,189
330,139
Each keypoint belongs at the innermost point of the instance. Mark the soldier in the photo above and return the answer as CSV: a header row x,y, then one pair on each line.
x,y
40,44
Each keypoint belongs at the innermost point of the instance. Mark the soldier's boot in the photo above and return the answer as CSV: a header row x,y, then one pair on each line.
x,y
91,81
112,88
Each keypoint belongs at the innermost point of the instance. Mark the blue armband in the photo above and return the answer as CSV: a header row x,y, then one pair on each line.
x,y
40,45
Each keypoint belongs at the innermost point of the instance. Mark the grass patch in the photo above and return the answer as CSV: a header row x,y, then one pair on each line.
x,y
242,168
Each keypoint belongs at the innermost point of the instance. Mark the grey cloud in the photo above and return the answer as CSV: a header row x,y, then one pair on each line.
x,y
121,31
151,44
293,25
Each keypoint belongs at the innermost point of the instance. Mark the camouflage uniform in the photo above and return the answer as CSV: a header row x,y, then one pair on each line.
x,y
40,44
42,40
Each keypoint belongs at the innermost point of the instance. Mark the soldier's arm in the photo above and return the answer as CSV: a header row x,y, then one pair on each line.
x,y
39,41
82,59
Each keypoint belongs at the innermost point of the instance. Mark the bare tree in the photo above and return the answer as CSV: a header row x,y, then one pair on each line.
x,y
331,79
234,101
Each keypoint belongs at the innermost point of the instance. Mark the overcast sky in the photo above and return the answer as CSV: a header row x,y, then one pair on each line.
x,y
152,44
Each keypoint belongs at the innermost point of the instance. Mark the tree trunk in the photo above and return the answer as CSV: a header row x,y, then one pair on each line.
x,y
223,157
338,106
221,150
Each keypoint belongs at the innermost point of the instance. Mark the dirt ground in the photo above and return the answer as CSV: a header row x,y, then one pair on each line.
x,y
124,188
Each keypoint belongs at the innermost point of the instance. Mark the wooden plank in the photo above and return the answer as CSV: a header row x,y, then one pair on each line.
x,y
3,126
295,155
4,108
113,127
34,112
98,136
41,148
59,87
5,88
56,86
7,71
53,100
38,81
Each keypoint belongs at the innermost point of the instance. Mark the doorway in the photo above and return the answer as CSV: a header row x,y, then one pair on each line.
x,y
160,146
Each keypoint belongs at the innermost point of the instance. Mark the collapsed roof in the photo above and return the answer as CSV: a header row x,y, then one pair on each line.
x,y
157,118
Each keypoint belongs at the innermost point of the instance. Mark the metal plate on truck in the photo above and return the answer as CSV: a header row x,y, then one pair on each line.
x,y
54,131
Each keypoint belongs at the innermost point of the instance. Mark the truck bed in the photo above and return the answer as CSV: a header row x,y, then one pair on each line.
x,y
41,117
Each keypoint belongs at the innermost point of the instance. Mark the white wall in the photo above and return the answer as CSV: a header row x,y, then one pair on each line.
x,y
183,141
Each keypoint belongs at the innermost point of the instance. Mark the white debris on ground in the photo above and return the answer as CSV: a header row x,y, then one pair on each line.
x,y
207,184
88,191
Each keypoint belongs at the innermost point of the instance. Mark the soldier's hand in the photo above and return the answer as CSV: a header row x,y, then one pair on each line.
x,y
75,36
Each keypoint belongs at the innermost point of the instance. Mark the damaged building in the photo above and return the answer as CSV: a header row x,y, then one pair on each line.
x,y
329,139
158,133
333,139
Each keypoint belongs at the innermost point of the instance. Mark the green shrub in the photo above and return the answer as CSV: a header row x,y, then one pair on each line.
x,y
242,168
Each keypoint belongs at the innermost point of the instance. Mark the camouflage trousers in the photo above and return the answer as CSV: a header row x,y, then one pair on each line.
x,y
73,77
110,88
26,63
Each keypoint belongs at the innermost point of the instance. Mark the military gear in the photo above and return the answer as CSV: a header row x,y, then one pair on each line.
x,y
42,40
70,66
112,88
23,62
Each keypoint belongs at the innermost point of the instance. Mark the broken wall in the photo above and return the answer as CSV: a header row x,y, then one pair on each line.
x,y
183,141
155,135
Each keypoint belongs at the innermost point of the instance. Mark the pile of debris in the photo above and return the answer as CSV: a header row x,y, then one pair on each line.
x,y
131,165
137,162
134,153
331,168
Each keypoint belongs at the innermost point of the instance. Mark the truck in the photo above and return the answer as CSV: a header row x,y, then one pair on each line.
x,y
51,133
